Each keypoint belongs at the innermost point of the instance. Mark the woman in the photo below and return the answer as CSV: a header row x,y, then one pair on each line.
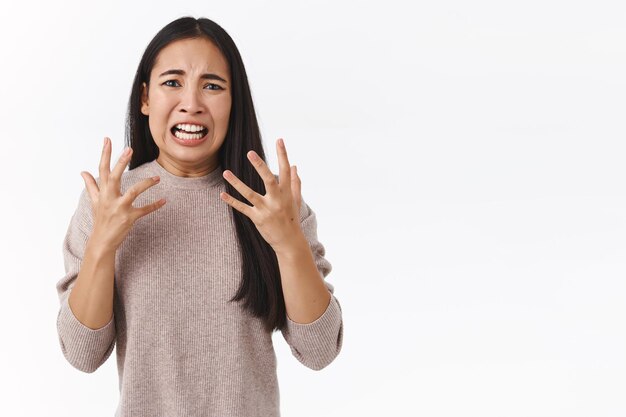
x,y
189,261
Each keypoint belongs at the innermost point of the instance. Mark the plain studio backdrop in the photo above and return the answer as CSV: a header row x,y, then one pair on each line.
x,y
465,161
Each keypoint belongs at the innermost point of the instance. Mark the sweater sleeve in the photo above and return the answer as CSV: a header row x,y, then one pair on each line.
x,y
318,343
83,347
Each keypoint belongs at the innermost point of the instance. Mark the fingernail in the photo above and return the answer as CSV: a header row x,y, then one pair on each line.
x,y
126,151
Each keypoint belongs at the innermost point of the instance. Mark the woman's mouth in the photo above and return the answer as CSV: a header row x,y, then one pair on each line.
x,y
189,132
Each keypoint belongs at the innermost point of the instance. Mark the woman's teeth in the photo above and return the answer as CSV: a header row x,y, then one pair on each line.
x,y
189,128
188,136
189,132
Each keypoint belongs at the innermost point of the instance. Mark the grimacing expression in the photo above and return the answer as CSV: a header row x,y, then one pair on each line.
x,y
189,83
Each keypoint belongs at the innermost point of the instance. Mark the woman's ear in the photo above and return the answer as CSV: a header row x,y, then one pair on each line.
x,y
145,108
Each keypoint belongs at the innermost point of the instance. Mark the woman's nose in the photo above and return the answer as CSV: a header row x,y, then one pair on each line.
x,y
191,101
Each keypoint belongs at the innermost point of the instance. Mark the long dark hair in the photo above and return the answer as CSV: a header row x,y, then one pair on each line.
x,y
260,289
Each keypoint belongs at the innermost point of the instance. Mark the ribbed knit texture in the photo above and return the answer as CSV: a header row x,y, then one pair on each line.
x,y
184,350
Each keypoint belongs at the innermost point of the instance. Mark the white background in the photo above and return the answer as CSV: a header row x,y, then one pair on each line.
x,y
465,161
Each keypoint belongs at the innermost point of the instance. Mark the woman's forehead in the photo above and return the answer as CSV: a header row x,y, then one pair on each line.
x,y
191,56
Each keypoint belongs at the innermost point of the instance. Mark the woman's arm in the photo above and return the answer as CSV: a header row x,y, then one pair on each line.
x,y
86,328
314,329
91,298
306,296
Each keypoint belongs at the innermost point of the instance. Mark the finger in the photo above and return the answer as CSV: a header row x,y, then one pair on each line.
x,y
236,204
105,161
263,170
92,187
296,187
252,196
132,192
284,173
147,209
119,168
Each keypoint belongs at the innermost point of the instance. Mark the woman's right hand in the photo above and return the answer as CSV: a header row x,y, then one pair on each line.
x,y
113,213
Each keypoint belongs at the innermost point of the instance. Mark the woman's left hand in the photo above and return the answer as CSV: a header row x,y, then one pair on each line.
x,y
276,214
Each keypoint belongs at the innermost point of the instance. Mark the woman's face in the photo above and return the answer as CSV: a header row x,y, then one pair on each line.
x,y
190,85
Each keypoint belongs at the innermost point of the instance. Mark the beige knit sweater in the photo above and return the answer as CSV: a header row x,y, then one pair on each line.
x,y
182,349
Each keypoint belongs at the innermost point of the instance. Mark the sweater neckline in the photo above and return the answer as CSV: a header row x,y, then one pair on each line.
x,y
209,180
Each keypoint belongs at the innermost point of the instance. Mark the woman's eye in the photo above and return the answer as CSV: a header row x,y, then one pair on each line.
x,y
217,87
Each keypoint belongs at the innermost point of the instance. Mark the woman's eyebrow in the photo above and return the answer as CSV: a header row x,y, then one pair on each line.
x,y
203,76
